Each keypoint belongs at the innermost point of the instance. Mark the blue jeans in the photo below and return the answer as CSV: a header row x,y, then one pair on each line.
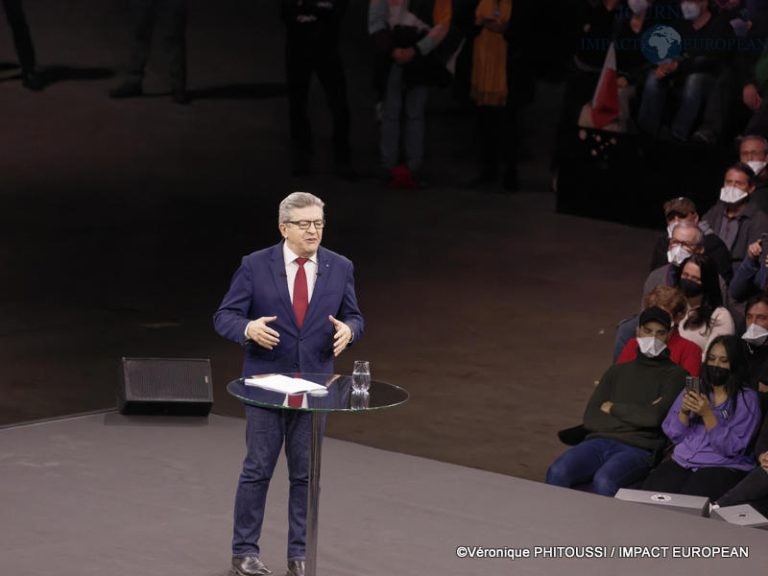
x,y
697,88
415,103
264,434
608,464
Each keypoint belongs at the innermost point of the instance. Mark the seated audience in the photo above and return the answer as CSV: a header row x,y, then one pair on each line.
x,y
735,217
624,415
686,240
684,210
698,73
711,428
751,72
753,151
756,337
632,66
681,351
753,489
706,317
590,24
751,275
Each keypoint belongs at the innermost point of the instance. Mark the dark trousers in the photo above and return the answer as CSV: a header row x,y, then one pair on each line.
x,y
313,48
752,489
604,462
266,431
148,12
497,139
709,482
20,30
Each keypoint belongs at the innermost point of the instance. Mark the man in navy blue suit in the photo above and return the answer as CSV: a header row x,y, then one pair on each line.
x,y
293,307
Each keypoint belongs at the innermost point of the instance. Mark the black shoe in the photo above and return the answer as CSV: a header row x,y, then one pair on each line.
x,y
180,96
31,80
128,89
249,566
295,568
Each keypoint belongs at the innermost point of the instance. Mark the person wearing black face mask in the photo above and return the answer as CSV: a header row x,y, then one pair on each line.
x,y
711,428
706,317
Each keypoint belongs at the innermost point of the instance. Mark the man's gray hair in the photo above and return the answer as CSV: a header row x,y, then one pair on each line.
x,y
685,225
756,138
296,200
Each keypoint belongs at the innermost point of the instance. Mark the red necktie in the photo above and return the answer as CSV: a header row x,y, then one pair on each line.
x,y
295,400
300,292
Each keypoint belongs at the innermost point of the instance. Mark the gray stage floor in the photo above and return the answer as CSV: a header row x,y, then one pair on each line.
x,y
107,494
121,223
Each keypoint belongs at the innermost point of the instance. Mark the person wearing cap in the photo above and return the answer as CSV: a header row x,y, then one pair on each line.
x,y
735,217
681,350
684,209
624,415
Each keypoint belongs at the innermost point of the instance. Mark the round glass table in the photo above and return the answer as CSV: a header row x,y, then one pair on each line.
x,y
331,393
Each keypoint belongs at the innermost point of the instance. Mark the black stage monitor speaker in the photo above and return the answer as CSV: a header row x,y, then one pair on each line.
x,y
165,386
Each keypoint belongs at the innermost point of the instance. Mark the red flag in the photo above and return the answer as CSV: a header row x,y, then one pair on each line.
x,y
605,102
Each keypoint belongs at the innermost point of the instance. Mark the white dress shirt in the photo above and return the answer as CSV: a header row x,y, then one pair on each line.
x,y
292,268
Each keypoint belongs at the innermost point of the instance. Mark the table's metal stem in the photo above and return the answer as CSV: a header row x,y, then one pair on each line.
x,y
313,498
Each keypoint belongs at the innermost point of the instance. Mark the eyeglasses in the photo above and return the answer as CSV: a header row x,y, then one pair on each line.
x,y
305,224
690,245
677,214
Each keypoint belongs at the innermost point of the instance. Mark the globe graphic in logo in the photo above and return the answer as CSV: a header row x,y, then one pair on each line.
x,y
661,43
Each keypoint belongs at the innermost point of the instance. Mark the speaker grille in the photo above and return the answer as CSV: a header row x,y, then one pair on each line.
x,y
167,379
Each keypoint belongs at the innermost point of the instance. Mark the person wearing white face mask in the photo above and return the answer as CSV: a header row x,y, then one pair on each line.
x,y
681,351
624,415
686,240
753,151
735,218
684,209
699,72
756,337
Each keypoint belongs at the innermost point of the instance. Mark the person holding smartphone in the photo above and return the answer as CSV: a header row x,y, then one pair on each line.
x,y
711,428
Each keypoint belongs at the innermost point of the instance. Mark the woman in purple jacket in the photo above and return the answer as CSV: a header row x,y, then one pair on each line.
x,y
711,428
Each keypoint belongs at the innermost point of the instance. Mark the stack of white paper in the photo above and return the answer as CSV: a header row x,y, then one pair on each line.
x,y
283,384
